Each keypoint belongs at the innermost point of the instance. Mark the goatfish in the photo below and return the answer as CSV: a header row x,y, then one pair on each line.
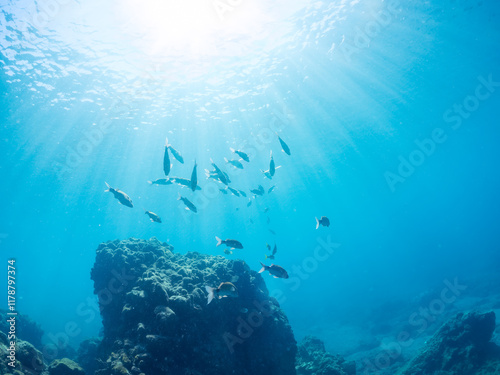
x,y
241,154
259,191
183,182
153,217
234,163
284,146
273,253
194,178
323,221
188,203
272,166
120,195
233,244
220,174
234,191
161,181
175,153
166,159
277,271
226,289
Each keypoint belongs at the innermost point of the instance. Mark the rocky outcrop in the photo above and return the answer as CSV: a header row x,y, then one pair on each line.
x,y
313,359
26,360
460,347
65,366
156,318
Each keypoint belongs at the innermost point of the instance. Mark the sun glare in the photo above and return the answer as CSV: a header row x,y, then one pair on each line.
x,y
190,28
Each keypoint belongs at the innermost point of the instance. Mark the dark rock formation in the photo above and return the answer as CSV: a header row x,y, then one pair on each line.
x,y
26,329
460,347
65,366
313,359
156,318
88,355
28,360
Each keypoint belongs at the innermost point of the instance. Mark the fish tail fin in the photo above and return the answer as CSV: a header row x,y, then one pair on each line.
x,y
263,267
179,197
232,149
317,223
266,256
150,182
219,241
225,159
271,153
210,292
109,187
166,142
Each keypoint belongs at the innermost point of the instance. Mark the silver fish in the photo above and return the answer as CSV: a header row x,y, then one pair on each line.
x,y
188,203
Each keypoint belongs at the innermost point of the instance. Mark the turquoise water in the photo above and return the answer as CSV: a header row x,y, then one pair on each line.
x,y
390,110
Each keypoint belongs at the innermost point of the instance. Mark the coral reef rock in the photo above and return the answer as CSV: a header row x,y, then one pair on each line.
x,y
461,346
27,359
65,366
157,321
313,359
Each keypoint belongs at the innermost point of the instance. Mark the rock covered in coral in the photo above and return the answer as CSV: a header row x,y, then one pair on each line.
x,y
313,359
460,347
156,318
27,359
65,366
88,355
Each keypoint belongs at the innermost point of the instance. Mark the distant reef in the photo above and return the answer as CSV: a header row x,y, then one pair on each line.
x,y
461,346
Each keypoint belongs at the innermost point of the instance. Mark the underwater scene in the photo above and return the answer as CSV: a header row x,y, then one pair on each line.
x,y
227,187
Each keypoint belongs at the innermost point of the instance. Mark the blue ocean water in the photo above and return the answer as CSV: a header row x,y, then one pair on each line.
x,y
390,110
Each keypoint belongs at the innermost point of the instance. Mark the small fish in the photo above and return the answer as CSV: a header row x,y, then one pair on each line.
x,y
268,247
222,176
242,193
226,289
243,310
183,182
154,217
268,219
277,271
251,221
223,191
161,181
249,202
188,203
259,191
166,159
266,209
175,153
234,244
271,189
234,191
267,174
284,146
234,163
324,221
194,178
120,195
272,166
241,154
272,232
228,252
273,253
